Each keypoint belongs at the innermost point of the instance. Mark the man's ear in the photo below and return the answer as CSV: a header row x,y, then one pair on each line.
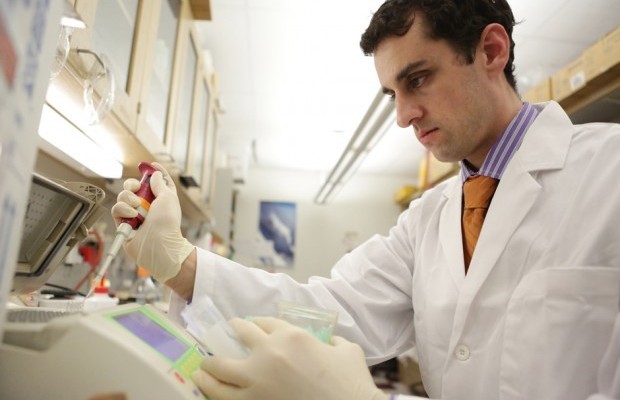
x,y
494,47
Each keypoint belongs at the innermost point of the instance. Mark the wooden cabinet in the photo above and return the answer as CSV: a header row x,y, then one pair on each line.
x,y
156,92
193,122
180,127
197,146
210,156
164,102
203,144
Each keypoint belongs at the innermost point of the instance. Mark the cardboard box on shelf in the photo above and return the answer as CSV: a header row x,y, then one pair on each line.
x,y
540,92
611,48
569,79
593,58
602,55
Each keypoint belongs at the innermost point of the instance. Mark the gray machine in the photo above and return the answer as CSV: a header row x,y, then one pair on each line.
x,y
131,349
58,216
69,354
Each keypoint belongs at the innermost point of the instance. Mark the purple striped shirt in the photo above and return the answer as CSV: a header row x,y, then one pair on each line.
x,y
502,151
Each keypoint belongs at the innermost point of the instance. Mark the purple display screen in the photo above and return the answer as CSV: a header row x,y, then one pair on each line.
x,y
153,334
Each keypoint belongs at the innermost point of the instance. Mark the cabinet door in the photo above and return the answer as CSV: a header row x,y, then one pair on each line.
x,y
156,91
183,107
203,144
117,34
198,143
210,156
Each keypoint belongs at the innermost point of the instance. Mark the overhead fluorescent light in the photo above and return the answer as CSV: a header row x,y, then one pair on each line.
x,y
376,121
64,140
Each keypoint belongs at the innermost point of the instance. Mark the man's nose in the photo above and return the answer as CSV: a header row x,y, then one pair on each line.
x,y
407,112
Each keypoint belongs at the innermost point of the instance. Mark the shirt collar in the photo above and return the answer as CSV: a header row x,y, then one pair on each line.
x,y
507,144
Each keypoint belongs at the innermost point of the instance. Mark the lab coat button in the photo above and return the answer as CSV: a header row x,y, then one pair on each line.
x,y
462,352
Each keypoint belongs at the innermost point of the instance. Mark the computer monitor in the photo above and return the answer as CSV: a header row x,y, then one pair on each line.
x,y
58,215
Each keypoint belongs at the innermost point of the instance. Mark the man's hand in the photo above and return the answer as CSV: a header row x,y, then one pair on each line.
x,y
158,244
286,362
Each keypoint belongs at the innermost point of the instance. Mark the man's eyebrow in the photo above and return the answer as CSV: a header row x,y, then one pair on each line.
x,y
407,70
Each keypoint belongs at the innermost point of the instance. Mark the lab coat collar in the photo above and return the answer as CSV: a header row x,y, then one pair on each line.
x,y
544,147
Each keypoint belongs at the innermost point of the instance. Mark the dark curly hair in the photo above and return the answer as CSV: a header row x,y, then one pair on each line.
x,y
459,22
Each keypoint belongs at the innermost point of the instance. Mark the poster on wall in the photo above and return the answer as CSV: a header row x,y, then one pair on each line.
x,y
276,228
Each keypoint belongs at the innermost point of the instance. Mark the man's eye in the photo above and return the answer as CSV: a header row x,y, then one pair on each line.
x,y
391,96
416,81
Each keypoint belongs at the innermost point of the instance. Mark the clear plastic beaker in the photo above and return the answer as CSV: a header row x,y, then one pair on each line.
x,y
319,322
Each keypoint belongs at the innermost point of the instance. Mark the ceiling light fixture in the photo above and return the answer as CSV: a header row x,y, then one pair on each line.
x,y
376,121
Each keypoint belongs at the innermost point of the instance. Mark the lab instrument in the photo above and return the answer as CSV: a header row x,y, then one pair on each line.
x,y
58,216
131,349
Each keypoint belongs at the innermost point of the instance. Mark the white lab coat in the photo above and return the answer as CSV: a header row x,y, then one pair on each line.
x,y
535,314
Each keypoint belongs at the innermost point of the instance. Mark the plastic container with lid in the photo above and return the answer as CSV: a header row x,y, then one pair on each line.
x,y
100,299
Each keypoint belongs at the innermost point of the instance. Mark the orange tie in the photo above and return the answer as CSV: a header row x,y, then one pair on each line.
x,y
477,193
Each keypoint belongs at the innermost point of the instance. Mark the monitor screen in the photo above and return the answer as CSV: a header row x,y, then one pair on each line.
x,y
153,334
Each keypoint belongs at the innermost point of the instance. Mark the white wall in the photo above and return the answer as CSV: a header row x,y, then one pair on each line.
x,y
365,206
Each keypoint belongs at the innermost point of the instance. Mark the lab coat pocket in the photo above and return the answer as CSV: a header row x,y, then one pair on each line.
x,y
558,325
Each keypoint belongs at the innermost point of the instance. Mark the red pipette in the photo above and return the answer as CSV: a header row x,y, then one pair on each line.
x,y
127,225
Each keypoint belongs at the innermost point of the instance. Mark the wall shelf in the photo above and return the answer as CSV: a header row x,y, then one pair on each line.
x,y
598,101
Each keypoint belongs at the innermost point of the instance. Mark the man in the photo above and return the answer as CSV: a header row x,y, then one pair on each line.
x,y
528,315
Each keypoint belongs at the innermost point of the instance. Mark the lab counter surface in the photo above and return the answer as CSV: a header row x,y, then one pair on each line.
x,y
132,349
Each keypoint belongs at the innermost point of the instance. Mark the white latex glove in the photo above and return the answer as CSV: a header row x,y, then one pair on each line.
x,y
158,244
285,363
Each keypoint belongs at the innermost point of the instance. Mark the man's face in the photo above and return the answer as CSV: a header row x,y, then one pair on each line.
x,y
444,99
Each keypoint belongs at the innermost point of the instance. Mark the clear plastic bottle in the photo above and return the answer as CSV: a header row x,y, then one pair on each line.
x,y
144,290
